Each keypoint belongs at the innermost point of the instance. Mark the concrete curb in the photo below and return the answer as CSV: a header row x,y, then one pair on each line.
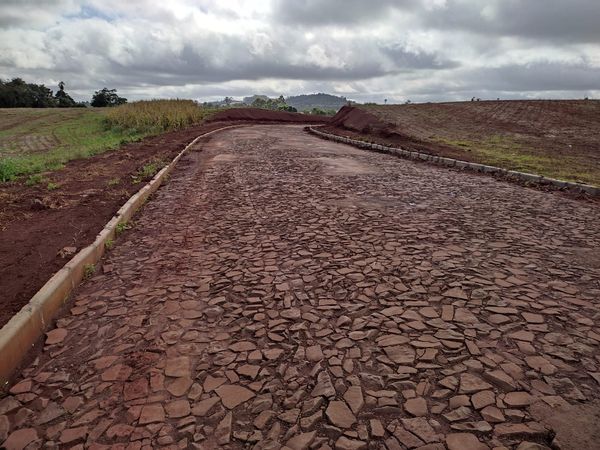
x,y
456,163
25,327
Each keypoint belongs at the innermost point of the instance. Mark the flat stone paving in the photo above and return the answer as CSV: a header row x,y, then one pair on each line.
x,y
283,291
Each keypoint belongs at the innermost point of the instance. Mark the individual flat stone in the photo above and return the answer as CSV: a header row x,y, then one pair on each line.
x,y
469,384
401,354
482,399
324,386
56,336
518,399
354,398
178,367
464,441
456,292
203,407
301,441
233,395
223,429
420,427
20,439
340,415
416,406
314,353
343,443
152,413
533,318
180,386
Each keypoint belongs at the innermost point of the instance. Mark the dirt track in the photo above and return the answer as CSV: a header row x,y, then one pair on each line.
x,y
282,289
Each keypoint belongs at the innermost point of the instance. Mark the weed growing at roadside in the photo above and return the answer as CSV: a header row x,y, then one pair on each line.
x,y
148,171
109,244
121,227
32,180
88,270
52,186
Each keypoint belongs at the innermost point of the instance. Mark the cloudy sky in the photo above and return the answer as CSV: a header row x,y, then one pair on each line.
x,y
366,50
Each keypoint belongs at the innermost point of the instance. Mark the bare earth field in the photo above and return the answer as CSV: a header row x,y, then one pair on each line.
x,y
558,139
283,291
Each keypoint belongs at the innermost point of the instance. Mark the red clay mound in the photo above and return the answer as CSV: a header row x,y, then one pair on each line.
x,y
360,121
265,115
355,119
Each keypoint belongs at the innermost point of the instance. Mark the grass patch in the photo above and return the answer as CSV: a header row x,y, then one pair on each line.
x,y
34,141
121,227
148,170
32,180
78,136
88,270
506,152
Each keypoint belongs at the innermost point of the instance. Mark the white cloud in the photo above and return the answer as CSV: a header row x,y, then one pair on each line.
x,y
434,49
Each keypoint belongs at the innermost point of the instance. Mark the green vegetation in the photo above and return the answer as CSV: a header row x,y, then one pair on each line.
x,y
32,180
121,227
321,112
148,171
16,93
39,140
155,116
52,186
275,104
107,98
88,270
507,152
109,244
34,141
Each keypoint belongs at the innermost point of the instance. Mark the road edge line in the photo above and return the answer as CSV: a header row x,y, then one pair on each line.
x,y
459,164
23,329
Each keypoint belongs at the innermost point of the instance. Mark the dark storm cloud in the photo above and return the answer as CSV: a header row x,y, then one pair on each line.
x,y
334,12
543,76
407,60
554,20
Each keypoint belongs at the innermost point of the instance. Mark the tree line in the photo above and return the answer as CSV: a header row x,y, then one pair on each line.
x,y
17,93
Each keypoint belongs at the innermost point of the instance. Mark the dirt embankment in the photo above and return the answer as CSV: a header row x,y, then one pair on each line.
x,y
36,223
265,115
554,138
357,123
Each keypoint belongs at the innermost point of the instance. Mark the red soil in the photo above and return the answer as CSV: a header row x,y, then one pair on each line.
x,y
36,223
264,115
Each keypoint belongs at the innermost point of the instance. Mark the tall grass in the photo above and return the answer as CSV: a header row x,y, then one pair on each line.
x,y
153,116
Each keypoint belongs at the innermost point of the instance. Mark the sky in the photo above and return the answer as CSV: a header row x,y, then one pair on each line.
x,y
365,50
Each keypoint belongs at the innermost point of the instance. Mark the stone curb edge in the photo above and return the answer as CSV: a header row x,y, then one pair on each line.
x,y
22,331
457,163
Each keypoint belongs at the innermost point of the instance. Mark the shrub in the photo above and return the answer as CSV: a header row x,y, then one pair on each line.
x,y
157,115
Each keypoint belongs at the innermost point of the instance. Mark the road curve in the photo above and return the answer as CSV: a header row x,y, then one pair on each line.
x,y
285,290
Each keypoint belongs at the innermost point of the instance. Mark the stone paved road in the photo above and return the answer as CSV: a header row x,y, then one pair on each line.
x,y
284,290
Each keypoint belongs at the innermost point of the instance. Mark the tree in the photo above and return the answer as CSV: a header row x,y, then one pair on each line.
x,y
107,97
64,99
19,94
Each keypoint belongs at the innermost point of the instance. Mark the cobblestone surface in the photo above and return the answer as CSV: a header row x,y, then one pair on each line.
x,y
283,290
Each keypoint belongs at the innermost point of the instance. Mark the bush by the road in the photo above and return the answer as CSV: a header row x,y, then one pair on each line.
x,y
156,115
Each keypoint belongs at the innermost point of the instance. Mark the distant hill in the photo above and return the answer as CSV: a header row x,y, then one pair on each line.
x,y
322,101
249,100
